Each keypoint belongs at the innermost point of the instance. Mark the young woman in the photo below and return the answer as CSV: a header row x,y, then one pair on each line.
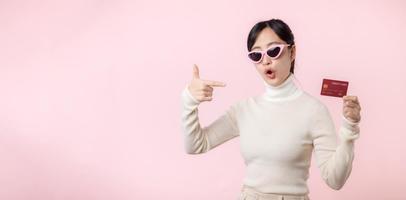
x,y
278,129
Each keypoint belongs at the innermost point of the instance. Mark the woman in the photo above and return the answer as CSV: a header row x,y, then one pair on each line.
x,y
278,129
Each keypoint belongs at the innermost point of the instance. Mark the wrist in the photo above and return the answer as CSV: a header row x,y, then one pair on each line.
x,y
190,99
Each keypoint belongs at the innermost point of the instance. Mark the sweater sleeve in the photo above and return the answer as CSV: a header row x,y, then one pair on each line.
x,y
334,160
200,139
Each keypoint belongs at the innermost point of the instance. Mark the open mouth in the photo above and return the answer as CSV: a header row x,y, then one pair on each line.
x,y
269,73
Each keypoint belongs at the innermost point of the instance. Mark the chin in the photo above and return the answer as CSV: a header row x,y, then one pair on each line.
x,y
273,82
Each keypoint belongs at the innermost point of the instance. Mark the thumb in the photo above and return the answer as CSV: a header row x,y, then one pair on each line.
x,y
196,72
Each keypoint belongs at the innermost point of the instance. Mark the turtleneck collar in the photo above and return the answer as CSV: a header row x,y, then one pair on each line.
x,y
285,91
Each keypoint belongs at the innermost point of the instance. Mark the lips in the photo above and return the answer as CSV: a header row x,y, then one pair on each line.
x,y
270,74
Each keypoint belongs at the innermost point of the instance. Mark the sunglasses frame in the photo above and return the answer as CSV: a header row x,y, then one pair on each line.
x,y
281,46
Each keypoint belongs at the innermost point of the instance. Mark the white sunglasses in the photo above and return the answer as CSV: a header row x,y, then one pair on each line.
x,y
273,52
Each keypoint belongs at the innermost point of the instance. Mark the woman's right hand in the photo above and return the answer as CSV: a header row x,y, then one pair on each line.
x,y
202,90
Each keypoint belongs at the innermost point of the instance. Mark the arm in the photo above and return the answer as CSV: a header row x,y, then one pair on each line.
x,y
198,139
334,161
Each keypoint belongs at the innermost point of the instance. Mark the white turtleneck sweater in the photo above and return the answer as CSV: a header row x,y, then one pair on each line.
x,y
278,131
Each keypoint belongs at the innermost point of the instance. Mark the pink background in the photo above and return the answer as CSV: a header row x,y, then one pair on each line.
x,y
90,93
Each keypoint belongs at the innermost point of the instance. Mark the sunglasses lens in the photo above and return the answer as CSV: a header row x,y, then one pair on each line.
x,y
273,52
255,56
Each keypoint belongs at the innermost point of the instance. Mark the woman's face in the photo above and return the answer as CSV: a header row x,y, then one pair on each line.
x,y
274,72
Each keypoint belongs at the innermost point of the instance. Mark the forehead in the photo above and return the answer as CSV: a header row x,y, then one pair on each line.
x,y
265,37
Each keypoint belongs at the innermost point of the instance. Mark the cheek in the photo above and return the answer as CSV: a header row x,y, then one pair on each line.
x,y
282,64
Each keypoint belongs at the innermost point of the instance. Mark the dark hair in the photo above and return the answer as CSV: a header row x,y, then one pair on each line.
x,y
279,27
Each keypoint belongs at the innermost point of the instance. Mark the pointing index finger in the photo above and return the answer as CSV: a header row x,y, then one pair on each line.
x,y
214,83
351,98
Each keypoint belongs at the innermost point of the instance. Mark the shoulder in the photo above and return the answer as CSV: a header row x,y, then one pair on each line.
x,y
312,102
319,114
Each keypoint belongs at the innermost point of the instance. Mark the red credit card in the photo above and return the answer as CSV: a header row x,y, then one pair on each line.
x,y
334,88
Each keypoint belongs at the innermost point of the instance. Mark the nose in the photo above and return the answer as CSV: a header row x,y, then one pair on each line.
x,y
266,60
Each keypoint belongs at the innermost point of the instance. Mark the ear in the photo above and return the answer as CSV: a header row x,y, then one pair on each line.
x,y
293,53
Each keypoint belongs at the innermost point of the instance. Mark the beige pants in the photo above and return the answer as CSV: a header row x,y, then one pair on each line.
x,y
248,193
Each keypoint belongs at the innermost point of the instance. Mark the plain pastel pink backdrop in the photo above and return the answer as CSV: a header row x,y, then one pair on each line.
x,y
90,93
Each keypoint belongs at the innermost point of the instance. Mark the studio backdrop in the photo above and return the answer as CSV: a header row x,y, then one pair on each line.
x,y
90,105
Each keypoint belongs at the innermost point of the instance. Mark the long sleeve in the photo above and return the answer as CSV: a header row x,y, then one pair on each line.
x,y
334,160
198,139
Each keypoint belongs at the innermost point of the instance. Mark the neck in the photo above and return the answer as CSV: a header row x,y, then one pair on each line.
x,y
285,91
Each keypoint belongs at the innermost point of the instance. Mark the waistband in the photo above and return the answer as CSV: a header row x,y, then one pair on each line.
x,y
248,193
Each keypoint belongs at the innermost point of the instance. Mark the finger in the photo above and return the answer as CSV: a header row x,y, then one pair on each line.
x,y
207,98
351,98
354,117
355,110
351,104
196,72
354,101
346,110
207,94
215,83
350,109
208,89
351,114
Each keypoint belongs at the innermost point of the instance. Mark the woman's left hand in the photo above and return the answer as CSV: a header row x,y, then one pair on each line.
x,y
351,109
